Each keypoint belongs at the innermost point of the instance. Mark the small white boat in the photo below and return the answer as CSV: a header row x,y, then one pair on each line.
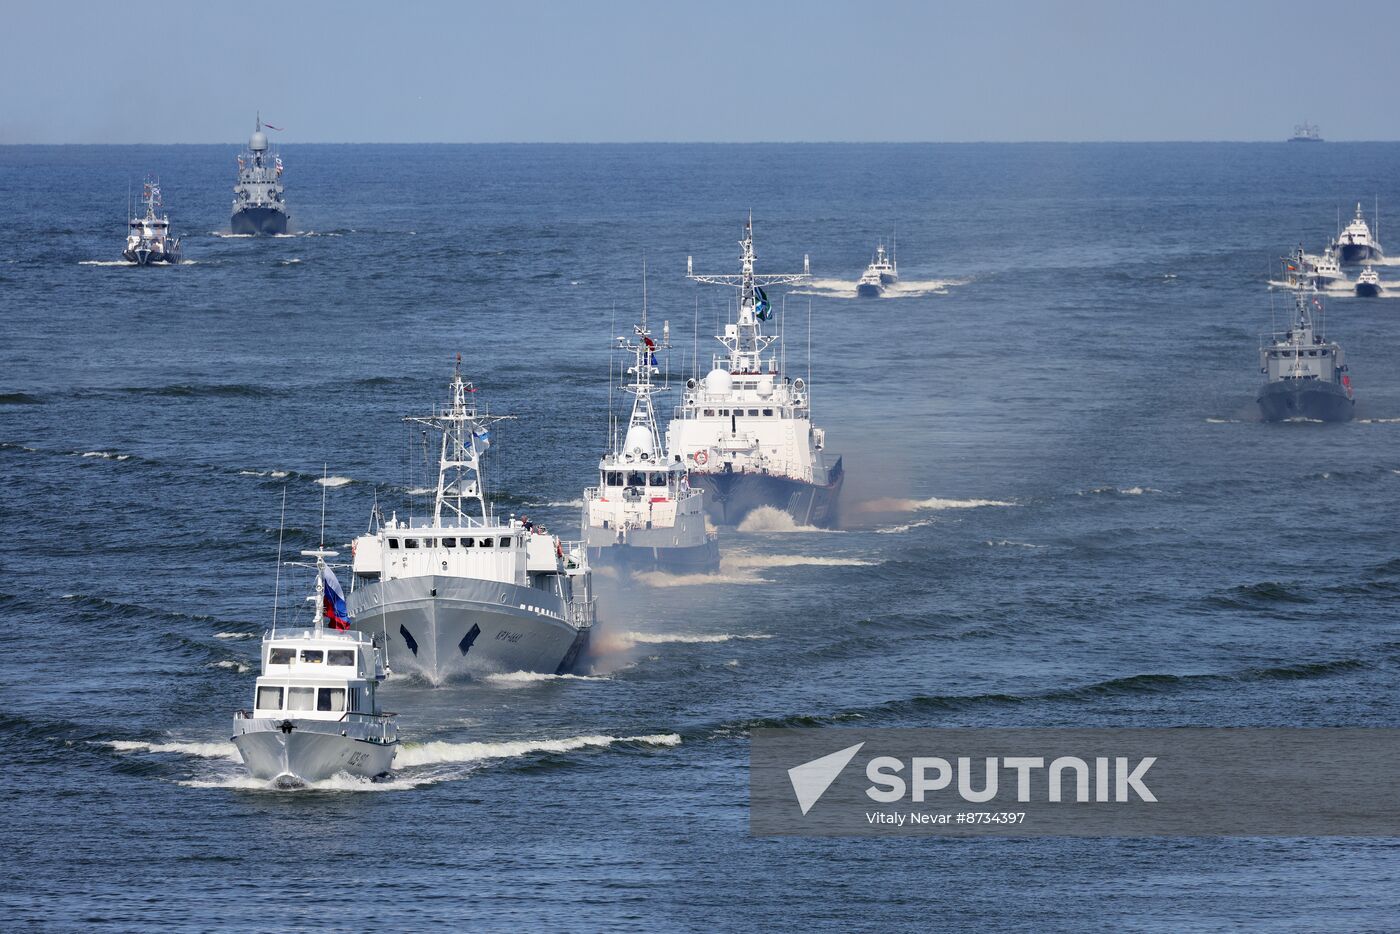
x,y
315,711
148,238
1322,272
1368,284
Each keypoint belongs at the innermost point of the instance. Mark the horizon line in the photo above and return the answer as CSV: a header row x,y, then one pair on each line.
x,y
642,142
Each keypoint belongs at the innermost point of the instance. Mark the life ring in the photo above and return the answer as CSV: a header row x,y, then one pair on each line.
x,y
701,457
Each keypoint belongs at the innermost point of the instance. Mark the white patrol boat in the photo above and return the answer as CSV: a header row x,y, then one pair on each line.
x,y
148,238
745,430
1357,243
1306,375
644,514
315,713
463,592
883,271
1323,272
258,204
1368,283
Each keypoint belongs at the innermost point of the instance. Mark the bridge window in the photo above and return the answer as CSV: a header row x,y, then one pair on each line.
x,y
410,543
468,543
485,543
614,478
301,698
724,411
658,479
331,699
449,543
269,698
312,656
342,657
753,412
709,413
281,656
768,412
394,544
636,478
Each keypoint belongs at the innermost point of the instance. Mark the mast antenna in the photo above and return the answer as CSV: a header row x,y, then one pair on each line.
x,y
277,585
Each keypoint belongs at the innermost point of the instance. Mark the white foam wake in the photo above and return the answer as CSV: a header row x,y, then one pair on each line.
x,y
233,635
933,503
759,562
107,455
231,665
535,677
333,482
658,638
441,752
1120,491
772,519
104,262
198,750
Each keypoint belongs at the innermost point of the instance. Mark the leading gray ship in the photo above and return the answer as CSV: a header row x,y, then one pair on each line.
x,y
258,205
463,592
1306,375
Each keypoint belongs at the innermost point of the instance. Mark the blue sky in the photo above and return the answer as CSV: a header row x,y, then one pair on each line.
x,y
703,71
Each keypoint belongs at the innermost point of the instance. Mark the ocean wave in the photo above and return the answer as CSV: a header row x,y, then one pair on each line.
x,y
105,455
1007,543
903,527
441,752
231,665
234,635
341,782
1118,491
104,262
334,482
1222,421
19,398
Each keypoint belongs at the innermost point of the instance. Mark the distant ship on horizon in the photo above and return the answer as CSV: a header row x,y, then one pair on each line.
x,y
1305,133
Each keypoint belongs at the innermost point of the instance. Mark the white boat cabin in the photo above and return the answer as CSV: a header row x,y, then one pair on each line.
x,y
311,675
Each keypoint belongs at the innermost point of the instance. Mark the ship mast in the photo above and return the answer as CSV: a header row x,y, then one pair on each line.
x,y
461,488
748,343
643,348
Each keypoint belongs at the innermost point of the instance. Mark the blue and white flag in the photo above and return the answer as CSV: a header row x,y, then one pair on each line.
x,y
483,437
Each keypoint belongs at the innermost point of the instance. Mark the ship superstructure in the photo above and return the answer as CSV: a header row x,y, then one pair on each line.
x,y
148,238
644,514
745,430
258,205
464,592
1306,375
1306,133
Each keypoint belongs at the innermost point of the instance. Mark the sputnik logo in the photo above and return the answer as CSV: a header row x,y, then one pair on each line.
x,y
810,780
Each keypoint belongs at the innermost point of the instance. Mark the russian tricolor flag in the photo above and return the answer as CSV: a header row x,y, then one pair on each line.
x,y
333,602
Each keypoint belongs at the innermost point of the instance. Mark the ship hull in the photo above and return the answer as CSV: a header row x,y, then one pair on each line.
x,y
633,558
259,221
1368,290
442,628
888,278
304,755
1351,253
1285,399
730,497
869,290
150,257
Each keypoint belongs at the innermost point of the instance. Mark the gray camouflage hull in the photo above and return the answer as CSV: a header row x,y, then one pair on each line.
x,y
443,627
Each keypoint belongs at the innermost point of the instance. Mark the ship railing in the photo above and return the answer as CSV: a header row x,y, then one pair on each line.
x,y
583,613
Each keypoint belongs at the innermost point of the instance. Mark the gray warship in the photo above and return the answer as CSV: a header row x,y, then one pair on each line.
x,y
148,238
258,206
464,592
1306,374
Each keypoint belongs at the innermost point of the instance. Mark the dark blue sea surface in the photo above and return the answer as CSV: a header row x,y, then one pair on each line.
x,y
1061,510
